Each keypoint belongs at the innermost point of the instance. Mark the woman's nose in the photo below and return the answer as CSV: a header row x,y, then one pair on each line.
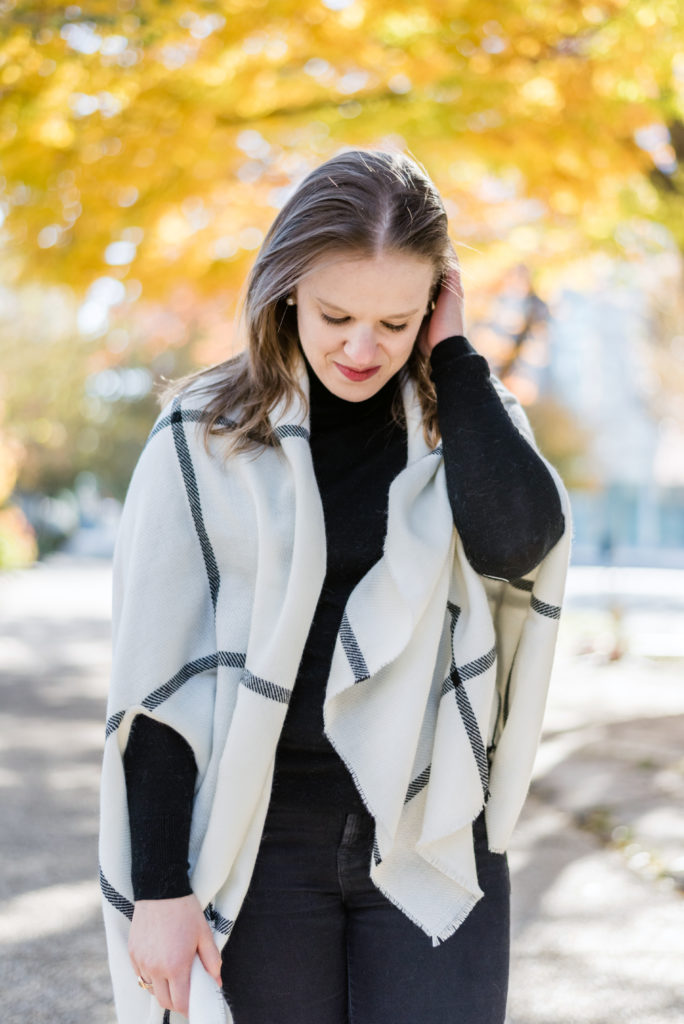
x,y
360,347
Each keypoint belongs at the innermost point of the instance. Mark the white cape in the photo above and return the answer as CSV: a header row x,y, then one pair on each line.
x,y
435,696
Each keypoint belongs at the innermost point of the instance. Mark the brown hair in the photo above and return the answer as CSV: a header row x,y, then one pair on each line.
x,y
358,203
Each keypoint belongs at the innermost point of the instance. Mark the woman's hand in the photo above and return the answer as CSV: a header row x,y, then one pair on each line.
x,y
164,937
448,317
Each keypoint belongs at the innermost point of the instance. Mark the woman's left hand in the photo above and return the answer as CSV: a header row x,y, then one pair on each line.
x,y
448,317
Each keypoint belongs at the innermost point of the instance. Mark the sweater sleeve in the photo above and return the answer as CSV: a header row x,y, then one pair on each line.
x,y
160,771
504,500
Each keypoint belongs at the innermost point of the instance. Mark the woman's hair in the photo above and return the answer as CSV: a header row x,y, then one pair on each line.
x,y
359,203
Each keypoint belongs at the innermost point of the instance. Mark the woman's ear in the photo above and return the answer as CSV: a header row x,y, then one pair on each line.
x,y
436,288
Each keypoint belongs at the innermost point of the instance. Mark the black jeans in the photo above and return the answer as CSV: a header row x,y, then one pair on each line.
x,y
317,943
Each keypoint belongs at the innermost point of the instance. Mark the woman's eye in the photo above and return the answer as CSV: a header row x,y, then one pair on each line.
x,y
343,320
333,320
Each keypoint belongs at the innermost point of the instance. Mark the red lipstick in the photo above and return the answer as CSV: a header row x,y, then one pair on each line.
x,y
351,374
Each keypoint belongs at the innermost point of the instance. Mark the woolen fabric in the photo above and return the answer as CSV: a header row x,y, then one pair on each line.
x,y
357,448
218,569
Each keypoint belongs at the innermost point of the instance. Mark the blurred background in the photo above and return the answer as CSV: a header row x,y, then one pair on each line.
x,y
145,148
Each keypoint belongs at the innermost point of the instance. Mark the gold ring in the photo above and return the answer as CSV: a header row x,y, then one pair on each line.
x,y
144,984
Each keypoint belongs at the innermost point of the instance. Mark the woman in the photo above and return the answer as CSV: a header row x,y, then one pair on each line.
x,y
336,594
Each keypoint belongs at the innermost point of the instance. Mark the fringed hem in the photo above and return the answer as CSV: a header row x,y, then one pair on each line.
x,y
434,861
445,933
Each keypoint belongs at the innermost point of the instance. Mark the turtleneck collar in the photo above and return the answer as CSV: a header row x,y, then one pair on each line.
x,y
328,409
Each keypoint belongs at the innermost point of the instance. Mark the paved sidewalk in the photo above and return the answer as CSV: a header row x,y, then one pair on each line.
x,y
54,653
598,856
597,859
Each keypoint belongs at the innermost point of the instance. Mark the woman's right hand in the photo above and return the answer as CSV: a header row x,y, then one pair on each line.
x,y
165,935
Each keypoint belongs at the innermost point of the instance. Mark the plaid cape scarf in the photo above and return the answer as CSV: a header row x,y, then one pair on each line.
x,y
435,696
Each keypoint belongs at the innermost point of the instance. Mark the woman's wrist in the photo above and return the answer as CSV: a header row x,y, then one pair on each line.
x,y
461,339
456,358
173,886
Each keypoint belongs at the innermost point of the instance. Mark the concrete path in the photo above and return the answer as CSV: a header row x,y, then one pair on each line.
x,y
597,860
54,658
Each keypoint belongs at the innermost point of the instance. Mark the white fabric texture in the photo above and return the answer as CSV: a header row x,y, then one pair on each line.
x,y
436,690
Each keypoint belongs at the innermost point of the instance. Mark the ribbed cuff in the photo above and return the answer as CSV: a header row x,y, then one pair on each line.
x,y
160,870
456,357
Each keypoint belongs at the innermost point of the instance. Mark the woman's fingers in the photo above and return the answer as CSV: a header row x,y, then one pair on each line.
x,y
179,992
453,282
165,935
157,985
172,992
448,317
209,955
161,992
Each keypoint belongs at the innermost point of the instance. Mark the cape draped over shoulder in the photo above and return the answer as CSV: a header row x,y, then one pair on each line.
x,y
436,690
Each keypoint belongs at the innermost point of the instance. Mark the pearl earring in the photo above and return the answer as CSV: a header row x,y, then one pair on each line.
x,y
290,301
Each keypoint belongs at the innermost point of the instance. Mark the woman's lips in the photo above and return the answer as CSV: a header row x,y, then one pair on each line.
x,y
351,374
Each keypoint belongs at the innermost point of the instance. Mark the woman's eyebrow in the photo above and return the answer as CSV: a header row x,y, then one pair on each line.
x,y
391,316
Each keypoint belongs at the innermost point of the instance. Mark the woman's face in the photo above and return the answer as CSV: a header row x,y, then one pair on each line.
x,y
358,319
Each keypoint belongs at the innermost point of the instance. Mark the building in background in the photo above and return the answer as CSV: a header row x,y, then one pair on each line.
x,y
591,355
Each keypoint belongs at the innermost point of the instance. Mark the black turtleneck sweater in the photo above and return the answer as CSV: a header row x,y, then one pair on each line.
x,y
508,514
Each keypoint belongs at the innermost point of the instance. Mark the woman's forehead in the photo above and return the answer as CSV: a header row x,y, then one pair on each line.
x,y
397,274
387,291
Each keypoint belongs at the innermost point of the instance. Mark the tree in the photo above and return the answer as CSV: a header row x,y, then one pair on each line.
x,y
153,142
146,147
